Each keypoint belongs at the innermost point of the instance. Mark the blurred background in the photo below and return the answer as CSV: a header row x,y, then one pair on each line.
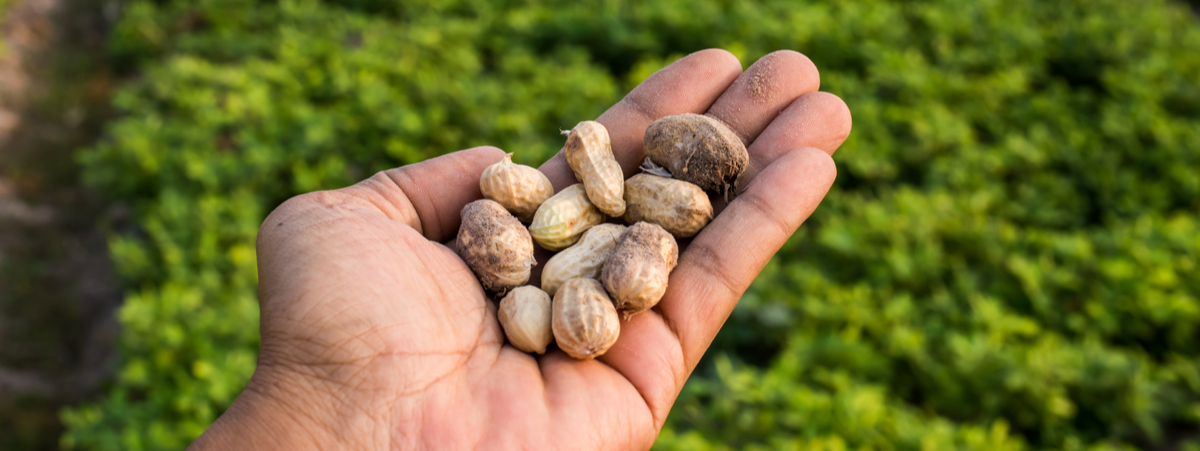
x,y
1009,258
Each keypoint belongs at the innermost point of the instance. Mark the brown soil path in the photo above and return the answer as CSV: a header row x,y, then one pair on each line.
x,y
58,291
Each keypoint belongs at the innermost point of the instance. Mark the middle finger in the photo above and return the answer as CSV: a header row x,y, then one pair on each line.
x,y
763,90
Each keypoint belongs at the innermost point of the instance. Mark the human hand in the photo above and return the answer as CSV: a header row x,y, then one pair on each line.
x,y
376,335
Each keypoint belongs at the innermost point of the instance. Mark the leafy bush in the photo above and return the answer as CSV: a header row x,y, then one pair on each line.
x,y
1007,260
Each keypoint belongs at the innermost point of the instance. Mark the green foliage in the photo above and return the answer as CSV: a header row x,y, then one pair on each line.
x,y
1007,260
3,12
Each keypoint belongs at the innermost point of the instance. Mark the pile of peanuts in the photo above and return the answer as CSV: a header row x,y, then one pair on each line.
x,y
602,268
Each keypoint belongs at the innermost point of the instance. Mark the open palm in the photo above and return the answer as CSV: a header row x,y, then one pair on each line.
x,y
376,335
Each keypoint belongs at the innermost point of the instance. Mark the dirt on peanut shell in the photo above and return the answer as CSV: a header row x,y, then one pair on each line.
x,y
697,149
495,245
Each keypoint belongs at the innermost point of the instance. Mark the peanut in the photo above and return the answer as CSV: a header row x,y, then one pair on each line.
x,y
697,149
560,220
589,153
637,270
519,188
585,322
678,206
583,259
525,316
495,245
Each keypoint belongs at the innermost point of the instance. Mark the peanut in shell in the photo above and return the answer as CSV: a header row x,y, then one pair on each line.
x,y
697,149
683,209
588,152
495,245
561,219
525,316
638,269
585,323
583,259
520,189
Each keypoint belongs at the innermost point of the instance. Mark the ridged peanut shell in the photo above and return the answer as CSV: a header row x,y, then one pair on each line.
x,y
520,189
697,149
636,272
495,245
678,206
585,322
582,259
589,154
562,218
525,316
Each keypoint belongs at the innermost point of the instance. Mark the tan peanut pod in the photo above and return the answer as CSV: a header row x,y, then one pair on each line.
x,y
589,153
636,272
585,322
525,316
582,259
520,189
495,246
697,149
678,206
562,218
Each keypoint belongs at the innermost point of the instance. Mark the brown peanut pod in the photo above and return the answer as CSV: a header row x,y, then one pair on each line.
x,y
638,269
562,218
678,206
495,245
697,149
525,316
585,322
520,189
589,154
582,259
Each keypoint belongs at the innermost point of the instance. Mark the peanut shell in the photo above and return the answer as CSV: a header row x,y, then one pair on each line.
x,y
582,259
589,154
585,322
638,269
560,220
678,206
525,316
697,149
495,245
520,189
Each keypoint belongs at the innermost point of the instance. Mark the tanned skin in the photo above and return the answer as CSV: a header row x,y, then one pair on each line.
x,y
375,335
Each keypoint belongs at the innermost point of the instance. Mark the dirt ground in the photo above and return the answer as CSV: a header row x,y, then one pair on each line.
x,y
58,291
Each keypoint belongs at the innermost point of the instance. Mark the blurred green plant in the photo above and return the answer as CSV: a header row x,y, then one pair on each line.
x,y
1007,260
3,16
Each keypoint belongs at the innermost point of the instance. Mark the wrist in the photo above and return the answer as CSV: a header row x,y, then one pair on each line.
x,y
281,409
